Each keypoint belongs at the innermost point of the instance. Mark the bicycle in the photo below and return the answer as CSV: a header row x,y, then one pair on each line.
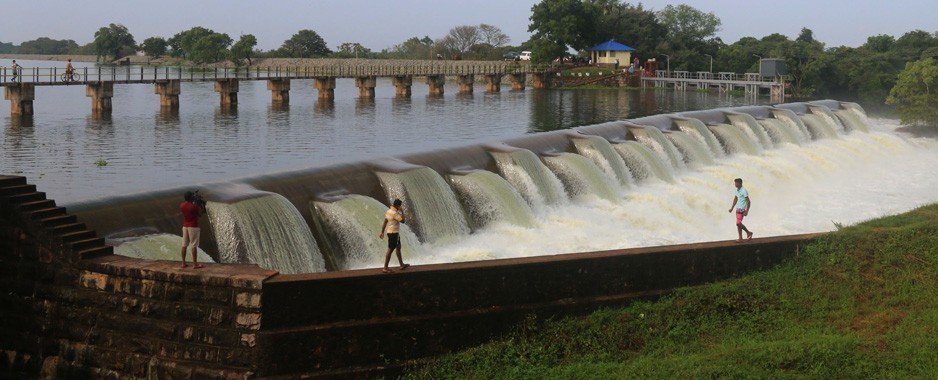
x,y
71,77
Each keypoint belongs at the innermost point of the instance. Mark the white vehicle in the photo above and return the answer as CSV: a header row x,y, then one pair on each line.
x,y
525,56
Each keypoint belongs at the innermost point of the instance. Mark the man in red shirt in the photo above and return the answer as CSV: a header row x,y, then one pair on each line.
x,y
191,211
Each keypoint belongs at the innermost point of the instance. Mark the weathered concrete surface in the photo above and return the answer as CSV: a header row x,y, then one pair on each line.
x,y
364,318
69,308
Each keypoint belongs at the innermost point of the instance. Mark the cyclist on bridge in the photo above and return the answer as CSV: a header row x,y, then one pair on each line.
x,y
69,70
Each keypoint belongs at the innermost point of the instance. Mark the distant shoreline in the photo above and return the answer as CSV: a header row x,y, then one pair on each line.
x,y
257,62
51,57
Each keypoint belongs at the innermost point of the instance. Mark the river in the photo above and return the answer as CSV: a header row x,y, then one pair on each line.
x,y
74,156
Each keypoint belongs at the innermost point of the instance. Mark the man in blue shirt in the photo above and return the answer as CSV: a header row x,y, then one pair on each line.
x,y
741,204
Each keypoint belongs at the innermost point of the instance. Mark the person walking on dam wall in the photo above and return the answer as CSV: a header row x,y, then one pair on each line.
x,y
392,226
191,209
741,204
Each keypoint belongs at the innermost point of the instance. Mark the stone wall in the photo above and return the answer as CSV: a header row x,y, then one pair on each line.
x,y
69,308
70,311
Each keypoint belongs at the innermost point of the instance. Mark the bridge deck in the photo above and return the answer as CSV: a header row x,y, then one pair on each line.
x,y
57,77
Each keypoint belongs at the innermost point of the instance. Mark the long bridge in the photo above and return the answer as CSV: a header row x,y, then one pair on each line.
x,y
19,86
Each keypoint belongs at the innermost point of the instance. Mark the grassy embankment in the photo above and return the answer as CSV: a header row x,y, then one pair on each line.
x,y
859,303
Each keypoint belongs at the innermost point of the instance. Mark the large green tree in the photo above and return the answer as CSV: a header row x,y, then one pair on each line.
x,y
632,25
559,25
154,47
916,93
113,40
181,44
802,63
243,49
691,33
200,45
305,44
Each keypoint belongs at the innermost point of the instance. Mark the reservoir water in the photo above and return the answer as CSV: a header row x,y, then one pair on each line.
x,y
485,176
60,148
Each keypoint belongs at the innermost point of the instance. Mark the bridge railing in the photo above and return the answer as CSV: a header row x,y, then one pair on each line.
x,y
708,76
143,74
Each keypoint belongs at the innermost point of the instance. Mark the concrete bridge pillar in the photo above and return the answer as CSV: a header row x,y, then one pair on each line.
x,y
366,87
517,81
228,89
21,98
493,82
777,94
169,94
100,94
539,80
436,83
465,83
326,87
403,83
279,90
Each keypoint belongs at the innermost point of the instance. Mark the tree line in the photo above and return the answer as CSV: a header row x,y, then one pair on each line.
x,y
202,45
899,71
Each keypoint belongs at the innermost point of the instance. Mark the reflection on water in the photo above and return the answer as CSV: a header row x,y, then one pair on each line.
x,y
146,147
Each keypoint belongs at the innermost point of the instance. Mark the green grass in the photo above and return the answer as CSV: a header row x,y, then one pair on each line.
x,y
859,303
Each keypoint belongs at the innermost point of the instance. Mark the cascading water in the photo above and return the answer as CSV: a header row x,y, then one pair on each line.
x,y
656,140
695,153
794,123
797,186
354,223
735,139
488,198
853,120
795,189
828,117
267,231
698,130
155,247
581,177
430,206
862,121
752,128
780,133
643,163
525,171
600,151
819,126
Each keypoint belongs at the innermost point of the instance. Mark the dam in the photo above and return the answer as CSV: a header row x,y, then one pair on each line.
x,y
551,223
656,180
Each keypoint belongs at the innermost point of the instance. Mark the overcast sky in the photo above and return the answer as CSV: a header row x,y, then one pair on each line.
x,y
380,24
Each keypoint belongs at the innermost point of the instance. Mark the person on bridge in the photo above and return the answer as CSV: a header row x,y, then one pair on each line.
x,y
69,70
741,204
16,70
191,209
392,224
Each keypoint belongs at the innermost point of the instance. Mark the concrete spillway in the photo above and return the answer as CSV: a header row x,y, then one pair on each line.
x,y
656,180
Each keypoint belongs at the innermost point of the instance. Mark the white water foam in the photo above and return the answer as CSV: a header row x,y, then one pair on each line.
x,y
794,189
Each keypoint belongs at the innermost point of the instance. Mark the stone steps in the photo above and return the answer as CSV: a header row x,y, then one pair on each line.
x,y
21,197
